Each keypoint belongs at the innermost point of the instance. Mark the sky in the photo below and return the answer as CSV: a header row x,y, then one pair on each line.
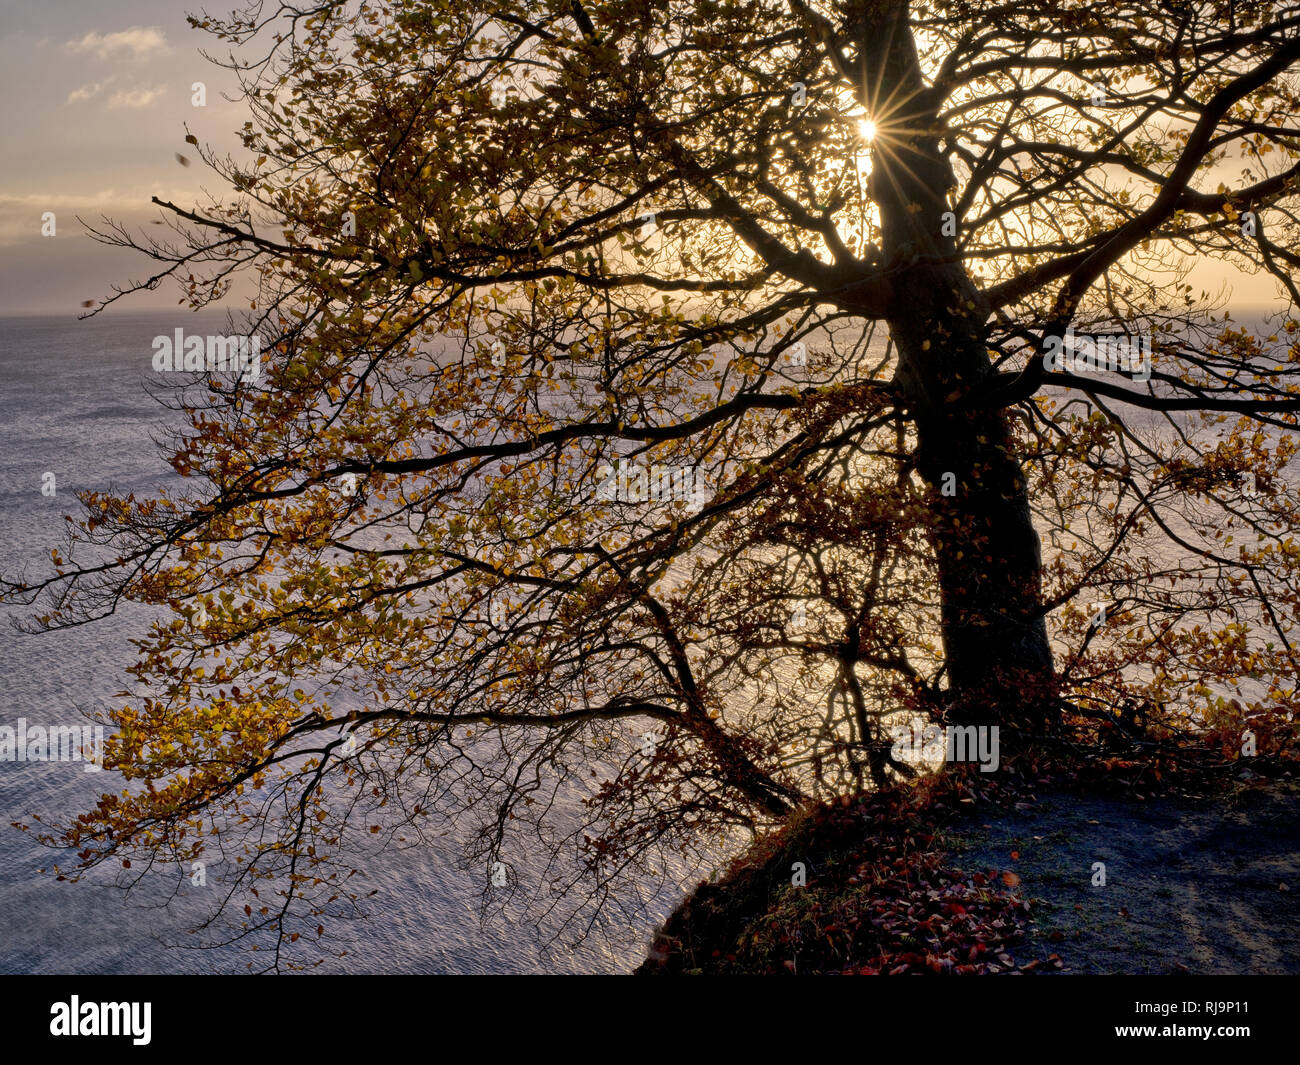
x,y
96,104
97,100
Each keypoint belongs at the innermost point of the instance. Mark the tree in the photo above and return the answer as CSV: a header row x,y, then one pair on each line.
x,y
662,398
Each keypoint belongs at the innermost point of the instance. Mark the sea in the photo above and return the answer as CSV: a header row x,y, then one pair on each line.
x,y
76,414
74,404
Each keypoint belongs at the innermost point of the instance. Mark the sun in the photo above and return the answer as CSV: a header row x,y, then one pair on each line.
x,y
868,129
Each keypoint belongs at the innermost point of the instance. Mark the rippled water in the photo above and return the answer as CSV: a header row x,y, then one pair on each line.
x,y
72,402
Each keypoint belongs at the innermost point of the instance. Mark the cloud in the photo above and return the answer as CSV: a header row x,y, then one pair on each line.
x,y
139,41
20,214
136,98
131,98
85,92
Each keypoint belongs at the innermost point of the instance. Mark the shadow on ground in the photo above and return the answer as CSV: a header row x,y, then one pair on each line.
x,y
1209,887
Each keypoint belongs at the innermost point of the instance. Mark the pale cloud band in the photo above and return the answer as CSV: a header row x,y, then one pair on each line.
x,y
20,215
137,98
87,92
140,96
139,42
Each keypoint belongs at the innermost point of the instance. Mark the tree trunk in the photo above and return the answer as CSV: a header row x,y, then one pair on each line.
x,y
999,662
